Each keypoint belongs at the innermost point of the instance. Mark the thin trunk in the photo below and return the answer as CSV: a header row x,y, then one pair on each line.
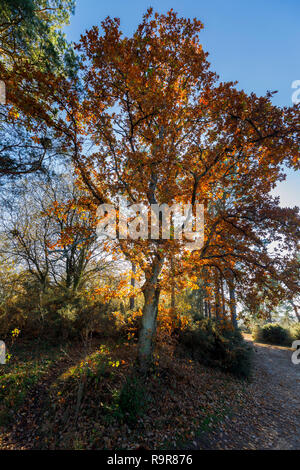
x,y
172,286
232,304
201,302
217,299
79,269
296,311
223,299
132,282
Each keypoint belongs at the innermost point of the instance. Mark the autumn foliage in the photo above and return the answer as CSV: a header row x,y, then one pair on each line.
x,y
163,129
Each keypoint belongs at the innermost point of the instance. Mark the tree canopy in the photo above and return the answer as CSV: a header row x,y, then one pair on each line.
x,y
147,119
166,130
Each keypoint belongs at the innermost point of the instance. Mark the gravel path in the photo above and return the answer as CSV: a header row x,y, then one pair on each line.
x,y
270,415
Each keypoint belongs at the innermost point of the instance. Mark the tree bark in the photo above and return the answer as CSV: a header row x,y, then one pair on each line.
x,y
201,302
232,304
205,309
148,330
172,286
296,311
223,309
217,299
151,292
132,281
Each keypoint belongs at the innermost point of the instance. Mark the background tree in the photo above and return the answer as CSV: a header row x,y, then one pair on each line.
x,y
30,30
45,232
31,45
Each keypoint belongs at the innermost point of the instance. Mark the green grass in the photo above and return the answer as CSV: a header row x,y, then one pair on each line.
x,y
92,367
125,403
23,370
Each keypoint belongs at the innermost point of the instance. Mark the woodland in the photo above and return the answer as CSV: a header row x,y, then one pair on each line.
x,y
116,343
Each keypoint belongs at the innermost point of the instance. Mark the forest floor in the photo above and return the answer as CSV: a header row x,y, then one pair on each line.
x,y
67,398
271,418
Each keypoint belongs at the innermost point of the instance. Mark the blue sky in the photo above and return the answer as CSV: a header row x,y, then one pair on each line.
x,y
254,42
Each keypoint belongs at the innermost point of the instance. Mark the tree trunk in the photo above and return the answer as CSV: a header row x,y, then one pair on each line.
x,y
205,309
173,300
209,309
232,304
296,311
201,302
148,330
131,300
151,291
217,299
223,310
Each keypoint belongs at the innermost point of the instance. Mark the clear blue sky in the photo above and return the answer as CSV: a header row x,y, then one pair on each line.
x,y
256,42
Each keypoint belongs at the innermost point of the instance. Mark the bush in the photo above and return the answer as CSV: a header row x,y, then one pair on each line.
x,y
61,315
127,324
132,400
295,332
272,333
217,345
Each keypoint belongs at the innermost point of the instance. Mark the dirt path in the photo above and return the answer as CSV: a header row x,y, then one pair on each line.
x,y
270,417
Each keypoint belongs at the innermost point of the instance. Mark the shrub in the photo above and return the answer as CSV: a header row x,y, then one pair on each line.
x,y
272,333
59,315
127,324
295,332
132,399
217,345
